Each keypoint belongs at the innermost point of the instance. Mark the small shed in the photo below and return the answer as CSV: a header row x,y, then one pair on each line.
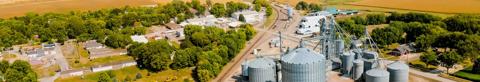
x,y
401,50
173,25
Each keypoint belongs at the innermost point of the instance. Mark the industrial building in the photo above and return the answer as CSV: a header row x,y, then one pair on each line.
x,y
355,58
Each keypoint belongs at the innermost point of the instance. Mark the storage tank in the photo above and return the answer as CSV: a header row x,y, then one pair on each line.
x,y
358,53
398,71
357,69
377,75
245,69
347,62
369,64
339,44
303,65
262,70
370,54
370,58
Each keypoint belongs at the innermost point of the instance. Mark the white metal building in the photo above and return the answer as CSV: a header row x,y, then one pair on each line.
x,y
139,38
250,16
311,23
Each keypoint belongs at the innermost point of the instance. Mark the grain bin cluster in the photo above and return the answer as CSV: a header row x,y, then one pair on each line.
x,y
354,58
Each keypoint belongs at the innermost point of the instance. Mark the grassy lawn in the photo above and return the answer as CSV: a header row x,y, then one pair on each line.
x,y
466,74
100,61
421,65
384,52
78,57
270,19
45,71
121,74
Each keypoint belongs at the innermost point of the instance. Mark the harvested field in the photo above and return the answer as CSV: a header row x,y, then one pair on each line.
x,y
438,6
11,8
44,6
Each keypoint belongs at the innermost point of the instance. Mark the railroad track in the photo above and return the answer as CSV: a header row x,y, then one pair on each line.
x,y
236,61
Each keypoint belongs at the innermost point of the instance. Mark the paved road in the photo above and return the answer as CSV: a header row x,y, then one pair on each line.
x,y
60,60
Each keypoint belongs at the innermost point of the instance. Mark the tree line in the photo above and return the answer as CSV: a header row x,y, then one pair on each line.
x,y
312,7
18,71
102,25
207,49
454,38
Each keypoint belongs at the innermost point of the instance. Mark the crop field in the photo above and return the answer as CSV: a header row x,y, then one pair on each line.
x,y
437,6
11,8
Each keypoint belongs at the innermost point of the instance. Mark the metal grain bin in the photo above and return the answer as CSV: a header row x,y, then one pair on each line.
x,y
244,69
357,69
398,71
339,44
369,64
377,75
347,62
303,65
370,54
262,70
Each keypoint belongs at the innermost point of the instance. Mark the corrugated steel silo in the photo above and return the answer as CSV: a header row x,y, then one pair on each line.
x,y
370,58
262,70
398,71
377,75
339,44
357,69
347,62
303,65
369,64
370,54
244,69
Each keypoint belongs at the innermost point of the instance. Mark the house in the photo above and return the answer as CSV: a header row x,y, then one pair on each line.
x,y
250,16
172,25
139,38
71,73
402,50
93,44
208,20
35,53
101,68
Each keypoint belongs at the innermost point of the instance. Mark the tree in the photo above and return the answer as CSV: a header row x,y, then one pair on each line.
x,y
430,58
104,77
118,41
476,66
469,24
374,19
20,71
449,59
359,20
257,7
185,58
154,56
302,5
387,35
268,11
352,28
218,10
315,7
413,17
4,65
241,18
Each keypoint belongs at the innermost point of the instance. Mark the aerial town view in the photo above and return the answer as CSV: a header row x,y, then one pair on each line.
x,y
239,40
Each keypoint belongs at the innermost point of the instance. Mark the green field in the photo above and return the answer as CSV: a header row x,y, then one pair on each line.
x,y
466,74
